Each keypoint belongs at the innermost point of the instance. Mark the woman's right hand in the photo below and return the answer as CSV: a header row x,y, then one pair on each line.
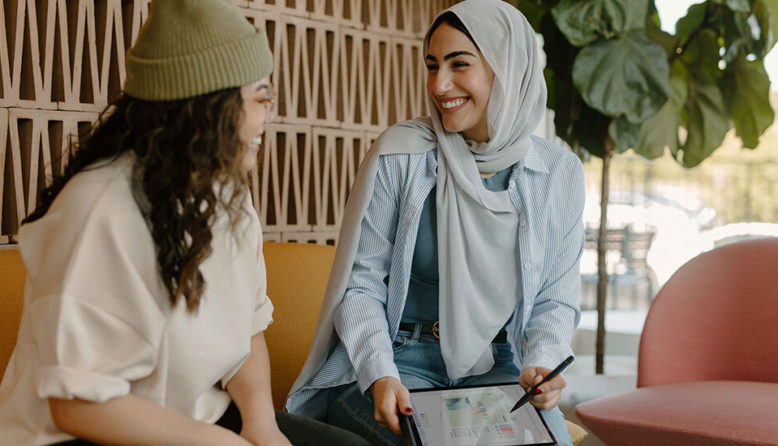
x,y
389,396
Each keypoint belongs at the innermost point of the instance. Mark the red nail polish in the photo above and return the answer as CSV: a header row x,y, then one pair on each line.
x,y
538,392
409,411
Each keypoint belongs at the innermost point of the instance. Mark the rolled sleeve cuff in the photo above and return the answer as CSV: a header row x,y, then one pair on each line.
x,y
263,317
549,359
373,370
69,383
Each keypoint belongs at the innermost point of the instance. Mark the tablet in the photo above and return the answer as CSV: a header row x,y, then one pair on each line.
x,y
474,415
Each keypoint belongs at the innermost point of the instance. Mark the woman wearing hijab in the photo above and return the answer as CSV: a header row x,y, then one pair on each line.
x,y
145,298
458,256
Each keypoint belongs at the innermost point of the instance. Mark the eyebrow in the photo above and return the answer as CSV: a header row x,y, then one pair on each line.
x,y
450,55
264,85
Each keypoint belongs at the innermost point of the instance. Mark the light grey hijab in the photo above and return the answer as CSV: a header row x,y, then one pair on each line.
x,y
478,265
477,229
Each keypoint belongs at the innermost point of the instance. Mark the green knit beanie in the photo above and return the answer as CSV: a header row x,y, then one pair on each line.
x,y
192,47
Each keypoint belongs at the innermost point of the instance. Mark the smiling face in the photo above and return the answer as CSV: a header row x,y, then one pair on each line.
x,y
459,81
257,101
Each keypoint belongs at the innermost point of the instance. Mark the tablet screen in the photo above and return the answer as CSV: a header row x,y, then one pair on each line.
x,y
476,416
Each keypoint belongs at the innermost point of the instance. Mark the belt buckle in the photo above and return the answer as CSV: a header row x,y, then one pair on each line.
x,y
436,329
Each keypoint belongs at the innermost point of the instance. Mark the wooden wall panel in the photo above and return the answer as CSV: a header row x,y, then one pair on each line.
x,y
345,70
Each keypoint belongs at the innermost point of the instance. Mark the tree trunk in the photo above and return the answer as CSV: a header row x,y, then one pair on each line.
x,y
602,249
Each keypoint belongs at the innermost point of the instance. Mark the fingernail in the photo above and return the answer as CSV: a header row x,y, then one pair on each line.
x,y
538,392
409,411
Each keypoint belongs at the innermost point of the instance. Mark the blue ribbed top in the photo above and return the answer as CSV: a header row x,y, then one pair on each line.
x,y
422,302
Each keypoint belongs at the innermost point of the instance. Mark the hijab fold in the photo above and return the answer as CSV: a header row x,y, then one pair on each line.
x,y
479,274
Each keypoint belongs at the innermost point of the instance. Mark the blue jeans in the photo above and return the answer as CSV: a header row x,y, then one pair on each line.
x,y
421,366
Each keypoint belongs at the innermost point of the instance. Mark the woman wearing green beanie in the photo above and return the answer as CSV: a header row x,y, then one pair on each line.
x,y
145,299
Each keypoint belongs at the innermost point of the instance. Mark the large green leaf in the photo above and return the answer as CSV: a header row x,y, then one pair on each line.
x,y
660,131
583,22
694,17
623,76
739,34
772,6
706,118
702,55
766,12
623,133
747,91
652,16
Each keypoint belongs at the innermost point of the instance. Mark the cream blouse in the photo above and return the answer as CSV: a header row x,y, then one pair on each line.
x,y
97,320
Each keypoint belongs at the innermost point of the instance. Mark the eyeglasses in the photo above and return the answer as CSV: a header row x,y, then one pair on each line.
x,y
269,104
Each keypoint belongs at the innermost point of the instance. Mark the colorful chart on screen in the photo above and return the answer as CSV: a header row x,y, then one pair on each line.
x,y
476,416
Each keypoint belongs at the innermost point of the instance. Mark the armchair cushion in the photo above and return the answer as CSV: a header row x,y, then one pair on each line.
x,y
697,413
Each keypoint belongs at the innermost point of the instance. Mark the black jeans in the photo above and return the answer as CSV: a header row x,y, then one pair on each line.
x,y
300,431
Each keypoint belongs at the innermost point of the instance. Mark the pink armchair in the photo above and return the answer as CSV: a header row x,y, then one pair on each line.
x,y
708,359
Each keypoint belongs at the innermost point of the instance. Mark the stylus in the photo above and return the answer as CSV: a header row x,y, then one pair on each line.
x,y
531,392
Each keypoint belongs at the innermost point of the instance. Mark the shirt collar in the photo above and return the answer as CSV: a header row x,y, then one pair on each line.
x,y
532,161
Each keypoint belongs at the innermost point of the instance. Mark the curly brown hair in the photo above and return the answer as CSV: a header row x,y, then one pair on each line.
x,y
183,148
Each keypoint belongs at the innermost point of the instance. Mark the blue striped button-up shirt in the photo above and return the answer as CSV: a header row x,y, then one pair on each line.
x,y
547,189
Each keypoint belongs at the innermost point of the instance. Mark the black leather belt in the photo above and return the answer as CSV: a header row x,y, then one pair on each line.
x,y
434,330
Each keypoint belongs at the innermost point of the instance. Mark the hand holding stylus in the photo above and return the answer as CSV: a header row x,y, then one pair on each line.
x,y
543,386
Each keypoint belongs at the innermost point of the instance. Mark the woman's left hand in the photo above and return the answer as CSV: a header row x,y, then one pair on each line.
x,y
549,393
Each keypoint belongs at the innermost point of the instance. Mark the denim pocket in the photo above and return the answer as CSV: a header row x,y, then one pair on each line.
x,y
399,344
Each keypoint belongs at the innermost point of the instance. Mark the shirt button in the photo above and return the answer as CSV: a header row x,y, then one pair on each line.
x,y
527,266
523,222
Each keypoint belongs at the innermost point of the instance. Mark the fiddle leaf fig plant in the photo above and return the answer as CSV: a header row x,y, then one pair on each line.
x,y
617,82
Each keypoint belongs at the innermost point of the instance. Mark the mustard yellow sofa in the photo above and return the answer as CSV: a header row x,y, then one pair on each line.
x,y
297,276
11,296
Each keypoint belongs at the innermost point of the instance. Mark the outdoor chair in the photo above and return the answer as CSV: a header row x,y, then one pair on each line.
x,y
708,357
632,271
